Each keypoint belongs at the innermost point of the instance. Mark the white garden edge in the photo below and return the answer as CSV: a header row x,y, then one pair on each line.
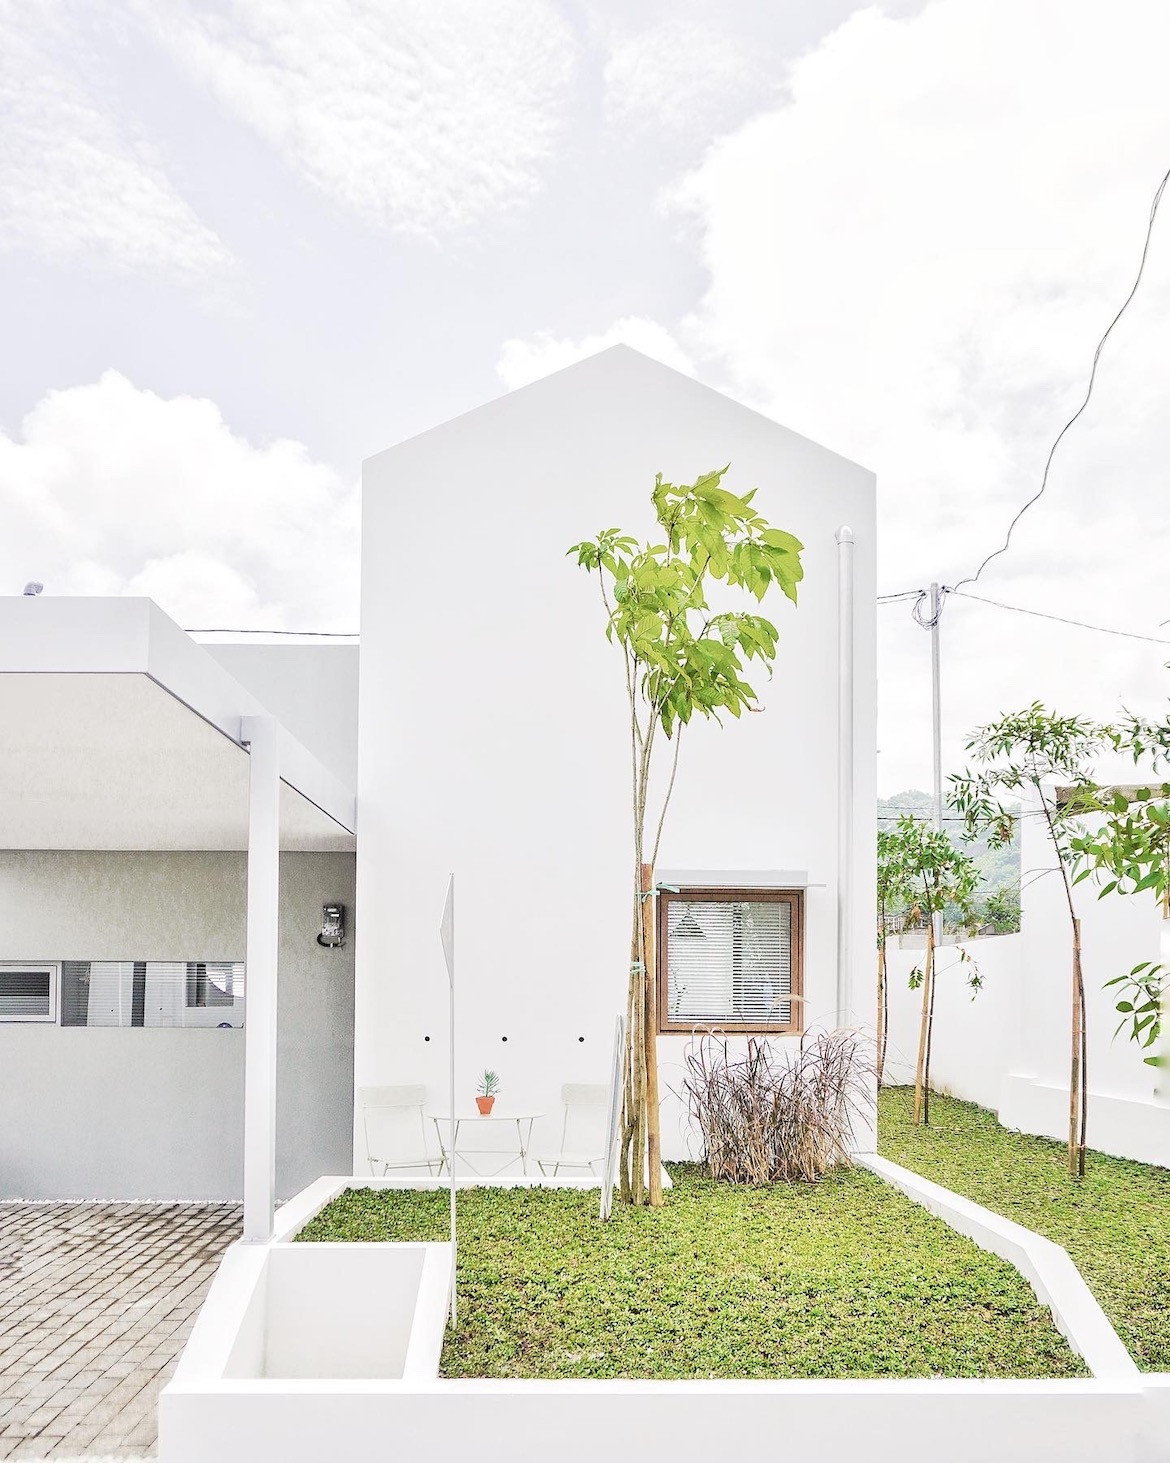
x,y
215,1408
1044,1265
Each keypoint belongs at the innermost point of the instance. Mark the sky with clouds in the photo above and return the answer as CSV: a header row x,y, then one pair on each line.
x,y
244,245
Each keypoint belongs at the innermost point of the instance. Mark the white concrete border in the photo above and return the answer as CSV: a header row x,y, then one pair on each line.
x,y
292,1216
203,1413
1044,1265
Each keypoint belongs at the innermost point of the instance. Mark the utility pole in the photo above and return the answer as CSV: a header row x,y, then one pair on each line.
x,y
936,722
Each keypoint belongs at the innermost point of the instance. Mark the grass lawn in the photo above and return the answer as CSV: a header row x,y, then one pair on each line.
x,y
1115,1222
842,1279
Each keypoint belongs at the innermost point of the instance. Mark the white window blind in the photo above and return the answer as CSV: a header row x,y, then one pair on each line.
x,y
729,962
28,992
192,993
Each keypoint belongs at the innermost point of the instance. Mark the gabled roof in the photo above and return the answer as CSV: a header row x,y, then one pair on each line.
x,y
619,375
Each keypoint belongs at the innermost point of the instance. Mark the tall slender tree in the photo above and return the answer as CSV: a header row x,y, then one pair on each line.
x,y
937,876
1127,850
681,658
1031,752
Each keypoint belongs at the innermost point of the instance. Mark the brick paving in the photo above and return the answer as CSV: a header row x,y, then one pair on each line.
x,y
96,1301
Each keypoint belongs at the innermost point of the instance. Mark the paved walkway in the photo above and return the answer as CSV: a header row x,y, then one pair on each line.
x,y
96,1301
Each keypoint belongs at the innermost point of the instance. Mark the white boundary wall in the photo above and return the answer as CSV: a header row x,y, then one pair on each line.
x,y
1008,1049
219,1406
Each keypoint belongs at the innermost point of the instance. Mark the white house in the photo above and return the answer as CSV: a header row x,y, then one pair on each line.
x,y
124,837
491,734
492,746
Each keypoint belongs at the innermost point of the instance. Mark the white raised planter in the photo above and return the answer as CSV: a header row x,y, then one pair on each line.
x,y
307,1353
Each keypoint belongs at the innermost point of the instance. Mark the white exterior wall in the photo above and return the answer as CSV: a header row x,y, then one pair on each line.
x,y
974,1038
93,1112
1009,1048
492,731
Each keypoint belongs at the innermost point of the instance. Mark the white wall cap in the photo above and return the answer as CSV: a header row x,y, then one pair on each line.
x,y
736,878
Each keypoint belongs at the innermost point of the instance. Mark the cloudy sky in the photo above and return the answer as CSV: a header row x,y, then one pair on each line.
x,y
243,245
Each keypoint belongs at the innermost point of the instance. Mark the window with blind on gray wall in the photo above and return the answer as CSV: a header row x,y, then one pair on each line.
x,y
190,993
730,958
28,991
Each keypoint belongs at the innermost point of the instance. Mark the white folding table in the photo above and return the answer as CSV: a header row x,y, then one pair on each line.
x,y
522,1123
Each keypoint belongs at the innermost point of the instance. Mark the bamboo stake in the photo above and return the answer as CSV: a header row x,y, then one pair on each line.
x,y
650,1021
929,1039
881,1007
1076,1085
920,1065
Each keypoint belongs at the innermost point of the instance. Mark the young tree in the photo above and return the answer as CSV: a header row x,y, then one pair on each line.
x,y
936,875
1128,851
893,897
1029,752
681,658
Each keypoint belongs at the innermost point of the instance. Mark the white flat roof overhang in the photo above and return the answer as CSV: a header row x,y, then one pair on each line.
x,y
121,732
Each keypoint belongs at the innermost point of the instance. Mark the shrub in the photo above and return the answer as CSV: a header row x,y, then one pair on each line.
x,y
789,1118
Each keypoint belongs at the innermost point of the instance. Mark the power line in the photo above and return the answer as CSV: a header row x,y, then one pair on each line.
x,y
1060,619
318,634
973,578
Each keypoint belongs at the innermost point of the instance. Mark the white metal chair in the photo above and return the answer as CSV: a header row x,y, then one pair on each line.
x,y
394,1127
586,1105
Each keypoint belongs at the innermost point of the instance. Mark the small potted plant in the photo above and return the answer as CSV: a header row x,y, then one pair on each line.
x,y
489,1085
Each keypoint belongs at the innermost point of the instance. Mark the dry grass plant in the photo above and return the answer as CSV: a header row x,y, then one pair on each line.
x,y
786,1117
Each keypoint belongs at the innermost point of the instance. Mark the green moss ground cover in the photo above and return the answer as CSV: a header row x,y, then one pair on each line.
x,y
842,1279
1115,1222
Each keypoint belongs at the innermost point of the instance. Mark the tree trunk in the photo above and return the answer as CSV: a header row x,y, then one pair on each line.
x,y
650,1022
882,1016
929,1040
921,1113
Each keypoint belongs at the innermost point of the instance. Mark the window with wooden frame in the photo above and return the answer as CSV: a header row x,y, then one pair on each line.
x,y
732,959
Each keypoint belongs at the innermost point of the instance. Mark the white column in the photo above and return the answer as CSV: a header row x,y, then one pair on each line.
x,y
844,774
259,735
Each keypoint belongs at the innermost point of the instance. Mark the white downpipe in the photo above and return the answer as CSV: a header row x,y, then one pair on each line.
x,y
447,937
259,734
453,1128
1162,1073
844,773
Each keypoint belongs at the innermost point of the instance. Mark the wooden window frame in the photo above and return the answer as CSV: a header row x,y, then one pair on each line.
x,y
723,894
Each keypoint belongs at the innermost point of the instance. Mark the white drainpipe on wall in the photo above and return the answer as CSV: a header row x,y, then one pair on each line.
x,y
258,733
844,773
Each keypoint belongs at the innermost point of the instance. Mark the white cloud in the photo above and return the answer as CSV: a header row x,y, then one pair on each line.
x,y
679,77
73,184
522,361
114,490
416,116
911,261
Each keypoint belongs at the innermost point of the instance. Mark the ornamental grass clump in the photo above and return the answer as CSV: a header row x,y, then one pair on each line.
x,y
778,1119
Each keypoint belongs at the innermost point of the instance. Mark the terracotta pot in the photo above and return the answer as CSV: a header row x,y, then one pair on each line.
x,y
484,1104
